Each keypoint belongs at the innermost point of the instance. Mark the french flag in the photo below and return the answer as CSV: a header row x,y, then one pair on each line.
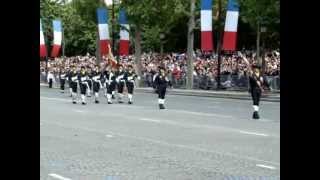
x,y
206,25
103,27
57,38
43,50
231,25
124,34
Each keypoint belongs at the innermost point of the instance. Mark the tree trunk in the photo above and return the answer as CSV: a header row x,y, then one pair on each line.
x,y
98,54
161,48
258,44
137,47
191,26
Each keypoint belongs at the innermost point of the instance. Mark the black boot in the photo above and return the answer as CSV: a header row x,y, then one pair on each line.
x,y
113,97
161,106
96,101
74,102
84,103
129,102
109,102
255,115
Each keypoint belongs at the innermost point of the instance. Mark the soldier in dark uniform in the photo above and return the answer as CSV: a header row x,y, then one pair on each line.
x,y
120,83
256,86
89,81
130,77
73,76
62,78
69,80
96,78
161,82
111,80
83,82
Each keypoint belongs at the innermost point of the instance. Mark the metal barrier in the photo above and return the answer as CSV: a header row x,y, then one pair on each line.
x,y
228,82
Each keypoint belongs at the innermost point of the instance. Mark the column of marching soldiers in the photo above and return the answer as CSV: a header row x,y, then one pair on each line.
x,y
91,81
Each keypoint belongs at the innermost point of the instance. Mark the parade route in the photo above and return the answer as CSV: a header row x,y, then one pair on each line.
x,y
194,138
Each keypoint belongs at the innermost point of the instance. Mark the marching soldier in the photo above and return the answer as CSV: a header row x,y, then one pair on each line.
x,y
120,83
97,84
110,79
73,76
256,85
62,77
50,78
161,82
69,80
130,77
83,82
89,81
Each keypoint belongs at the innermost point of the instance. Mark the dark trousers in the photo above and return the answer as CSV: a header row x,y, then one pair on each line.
x,y
50,83
120,87
62,83
256,94
162,92
83,88
74,87
130,87
111,87
96,87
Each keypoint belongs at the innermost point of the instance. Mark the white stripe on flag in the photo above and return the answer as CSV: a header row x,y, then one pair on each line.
x,y
231,21
206,20
104,31
41,38
57,37
124,34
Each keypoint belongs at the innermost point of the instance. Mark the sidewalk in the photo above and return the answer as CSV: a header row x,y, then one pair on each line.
x,y
269,96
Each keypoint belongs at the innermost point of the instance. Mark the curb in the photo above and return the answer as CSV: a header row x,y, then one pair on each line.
x,y
214,94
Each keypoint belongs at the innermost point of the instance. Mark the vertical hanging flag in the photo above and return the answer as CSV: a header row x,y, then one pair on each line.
x,y
43,50
206,25
57,38
231,26
103,27
124,34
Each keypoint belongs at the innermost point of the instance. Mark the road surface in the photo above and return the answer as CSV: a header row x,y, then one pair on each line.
x,y
194,138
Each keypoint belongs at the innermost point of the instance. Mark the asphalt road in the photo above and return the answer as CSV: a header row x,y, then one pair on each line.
x,y
194,138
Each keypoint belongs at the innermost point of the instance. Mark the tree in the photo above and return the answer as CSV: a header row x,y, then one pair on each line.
x,y
191,26
260,13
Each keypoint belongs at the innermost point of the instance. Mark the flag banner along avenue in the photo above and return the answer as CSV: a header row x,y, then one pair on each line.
x,y
43,49
206,25
231,26
104,37
57,38
124,34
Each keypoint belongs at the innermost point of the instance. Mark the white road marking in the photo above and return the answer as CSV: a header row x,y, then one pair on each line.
x,y
79,111
55,99
265,166
59,177
253,133
109,136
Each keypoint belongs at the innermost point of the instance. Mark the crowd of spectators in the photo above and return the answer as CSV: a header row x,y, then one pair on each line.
x,y
205,66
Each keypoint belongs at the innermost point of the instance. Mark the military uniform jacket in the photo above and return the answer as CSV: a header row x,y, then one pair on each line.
x,y
130,76
120,76
83,77
73,76
96,76
162,81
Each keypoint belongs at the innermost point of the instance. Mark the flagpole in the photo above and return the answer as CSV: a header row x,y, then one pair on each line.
x,y
62,28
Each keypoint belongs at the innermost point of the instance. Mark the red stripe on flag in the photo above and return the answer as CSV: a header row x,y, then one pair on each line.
x,y
229,41
43,51
206,41
124,47
55,50
104,47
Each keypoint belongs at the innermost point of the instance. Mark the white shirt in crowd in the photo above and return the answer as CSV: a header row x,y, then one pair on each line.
x,y
50,76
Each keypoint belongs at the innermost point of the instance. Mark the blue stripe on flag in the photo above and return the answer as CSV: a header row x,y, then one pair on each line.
x,y
233,5
123,17
102,14
57,25
206,4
